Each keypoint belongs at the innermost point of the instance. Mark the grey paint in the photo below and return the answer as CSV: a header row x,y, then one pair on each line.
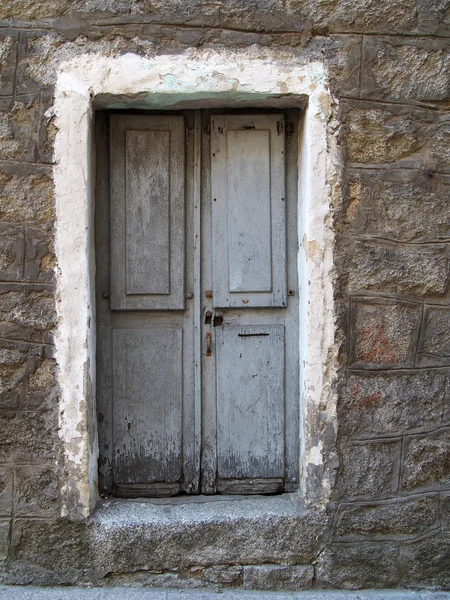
x,y
147,206
219,370
147,405
250,402
142,327
147,212
177,378
248,210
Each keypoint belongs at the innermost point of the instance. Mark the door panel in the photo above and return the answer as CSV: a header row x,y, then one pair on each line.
x,y
147,400
250,402
248,210
147,212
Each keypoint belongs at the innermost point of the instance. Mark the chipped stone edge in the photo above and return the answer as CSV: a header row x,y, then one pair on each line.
x,y
183,77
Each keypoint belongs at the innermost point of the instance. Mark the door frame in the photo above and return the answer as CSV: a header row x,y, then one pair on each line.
x,y
93,81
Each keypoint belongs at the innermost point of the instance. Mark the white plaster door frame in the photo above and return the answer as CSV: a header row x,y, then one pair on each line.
x,y
165,81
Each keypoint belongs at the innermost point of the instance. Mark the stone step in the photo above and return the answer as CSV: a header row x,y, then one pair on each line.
x,y
125,593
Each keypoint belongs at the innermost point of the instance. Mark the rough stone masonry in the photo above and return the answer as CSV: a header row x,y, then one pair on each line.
x,y
387,524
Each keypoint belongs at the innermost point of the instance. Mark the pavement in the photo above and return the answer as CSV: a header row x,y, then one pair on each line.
x,y
129,593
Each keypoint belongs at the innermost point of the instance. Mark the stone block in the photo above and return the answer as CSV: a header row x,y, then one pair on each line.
x,y
391,205
53,552
398,519
362,17
439,147
149,579
26,194
445,510
276,577
433,18
384,333
34,61
413,70
426,462
41,390
276,529
223,574
19,121
407,270
358,566
8,54
12,245
342,54
36,492
28,437
6,491
39,256
5,527
14,367
435,341
426,562
369,469
393,403
378,135
47,129
374,134
27,10
27,313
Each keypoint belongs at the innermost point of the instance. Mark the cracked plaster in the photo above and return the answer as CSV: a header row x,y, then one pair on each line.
x,y
162,82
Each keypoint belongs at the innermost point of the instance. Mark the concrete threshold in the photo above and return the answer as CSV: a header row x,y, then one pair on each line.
x,y
129,593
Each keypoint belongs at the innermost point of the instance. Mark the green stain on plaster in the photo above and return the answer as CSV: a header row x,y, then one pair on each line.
x,y
155,100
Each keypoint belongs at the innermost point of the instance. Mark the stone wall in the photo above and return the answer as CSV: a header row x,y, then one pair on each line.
x,y
388,523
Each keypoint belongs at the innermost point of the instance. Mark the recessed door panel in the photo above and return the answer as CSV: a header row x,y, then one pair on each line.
x,y
147,405
249,223
250,402
248,210
147,212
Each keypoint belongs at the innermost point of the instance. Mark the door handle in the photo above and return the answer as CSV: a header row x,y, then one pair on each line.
x,y
208,343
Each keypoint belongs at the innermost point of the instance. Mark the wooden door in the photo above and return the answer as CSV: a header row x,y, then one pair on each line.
x,y
197,306
145,356
250,427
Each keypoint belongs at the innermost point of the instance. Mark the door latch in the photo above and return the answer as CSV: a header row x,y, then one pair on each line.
x,y
208,343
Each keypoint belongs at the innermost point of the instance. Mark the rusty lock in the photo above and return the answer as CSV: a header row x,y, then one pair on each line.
x,y
208,344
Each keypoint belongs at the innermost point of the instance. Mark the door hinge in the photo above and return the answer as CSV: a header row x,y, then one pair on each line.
x,y
290,129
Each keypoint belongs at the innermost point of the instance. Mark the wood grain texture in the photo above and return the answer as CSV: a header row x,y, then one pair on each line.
x,y
149,490
236,418
249,226
147,212
250,486
248,210
147,405
147,201
250,401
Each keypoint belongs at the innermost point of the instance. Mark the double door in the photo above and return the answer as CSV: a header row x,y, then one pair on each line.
x,y
197,302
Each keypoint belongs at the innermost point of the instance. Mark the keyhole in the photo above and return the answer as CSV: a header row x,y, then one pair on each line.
x,y
208,317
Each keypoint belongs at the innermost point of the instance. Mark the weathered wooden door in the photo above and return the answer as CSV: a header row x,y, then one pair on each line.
x,y
197,303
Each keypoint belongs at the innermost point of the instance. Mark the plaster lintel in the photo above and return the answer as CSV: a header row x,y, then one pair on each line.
x,y
164,82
